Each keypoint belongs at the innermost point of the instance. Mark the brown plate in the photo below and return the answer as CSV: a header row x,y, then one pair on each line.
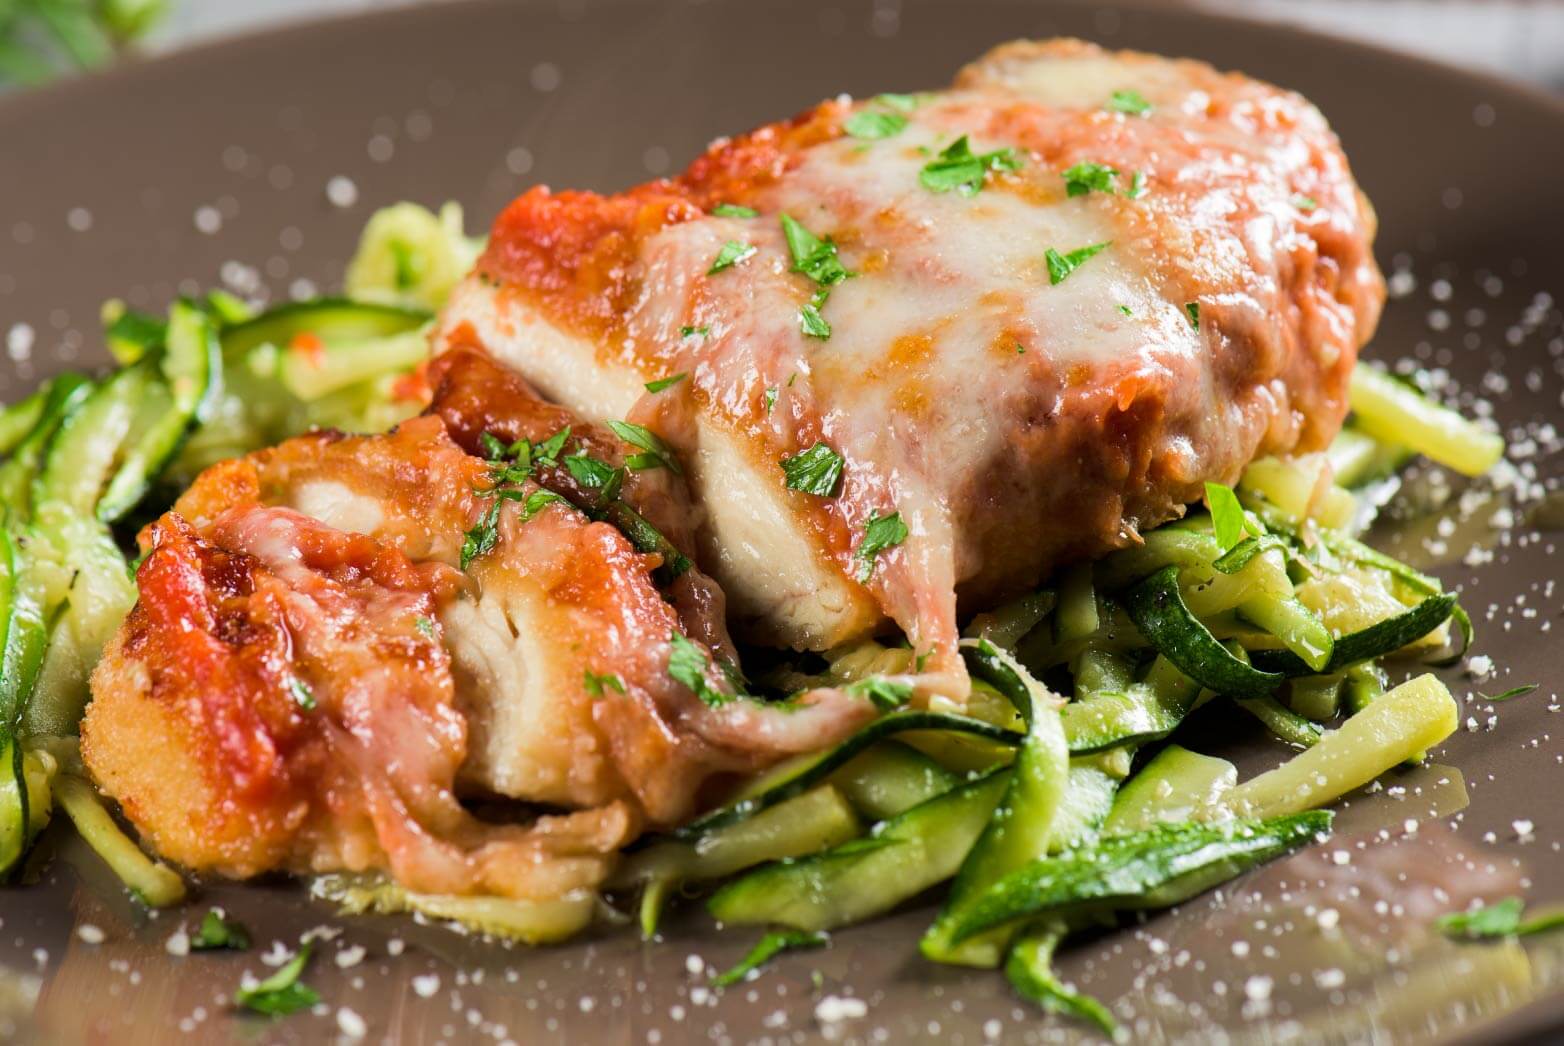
x,y
215,165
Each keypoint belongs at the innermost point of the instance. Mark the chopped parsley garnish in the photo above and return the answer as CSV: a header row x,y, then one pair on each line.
x,y
813,256
879,533
1513,692
667,383
1129,102
494,448
303,696
809,319
547,452
1088,177
768,948
816,258
690,332
958,167
733,252
1061,265
483,536
1227,515
217,931
282,993
1126,310
871,125
596,684
537,501
424,625
886,694
1305,203
1020,349
1497,920
817,470
770,399
589,471
733,210
687,664
657,453
1192,310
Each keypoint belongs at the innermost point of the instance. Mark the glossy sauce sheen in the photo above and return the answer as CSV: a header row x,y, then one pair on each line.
x,y
1013,422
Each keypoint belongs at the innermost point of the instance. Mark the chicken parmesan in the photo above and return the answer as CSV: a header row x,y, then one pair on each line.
x,y
934,345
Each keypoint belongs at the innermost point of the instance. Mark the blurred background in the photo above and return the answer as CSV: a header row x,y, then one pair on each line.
x,y
1519,39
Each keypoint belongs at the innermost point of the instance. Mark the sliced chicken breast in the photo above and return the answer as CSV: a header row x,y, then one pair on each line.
x,y
325,677
1032,314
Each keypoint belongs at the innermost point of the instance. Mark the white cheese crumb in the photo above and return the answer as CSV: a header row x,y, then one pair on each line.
x,y
835,1008
695,965
352,1024
395,946
1523,828
93,935
341,191
19,341
1258,987
208,220
1328,919
278,954
425,985
178,942
1479,667
350,956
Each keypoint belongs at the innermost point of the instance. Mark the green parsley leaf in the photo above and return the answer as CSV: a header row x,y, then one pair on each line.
x,y
733,210
1137,187
688,332
589,471
547,452
658,454
809,319
666,383
813,256
1513,692
484,535
733,252
493,448
1087,176
1227,515
879,533
1192,310
768,948
958,167
1497,920
886,694
871,125
1129,102
538,500
817,470
303,696
424,625
282,993
1126,310
595,684
904,102
1020,349
217,931
770,399
687,664
1061,265
1305,203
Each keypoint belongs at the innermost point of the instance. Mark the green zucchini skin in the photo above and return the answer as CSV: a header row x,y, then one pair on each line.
x,y
65,393
14,812
1159,612
901,858
191,368
1366,644
326,318
1150,868
814,773
85,448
